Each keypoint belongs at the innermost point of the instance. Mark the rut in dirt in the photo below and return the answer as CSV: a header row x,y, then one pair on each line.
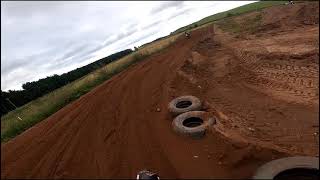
x,y
123,125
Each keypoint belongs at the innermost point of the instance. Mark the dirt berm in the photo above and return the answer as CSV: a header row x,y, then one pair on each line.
x,y
263,87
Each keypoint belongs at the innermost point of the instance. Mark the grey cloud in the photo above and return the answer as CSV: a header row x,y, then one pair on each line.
x,y
28,8
36,64
74,61
152,24
178,13
119,36
76,54
72,55
15,80
128,33
8,67
110,40
166,5
71,51
41,38
143,36
131,25
12,64
52,28
88,50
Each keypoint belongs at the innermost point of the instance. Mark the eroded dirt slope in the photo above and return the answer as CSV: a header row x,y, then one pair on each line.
x,y
263,89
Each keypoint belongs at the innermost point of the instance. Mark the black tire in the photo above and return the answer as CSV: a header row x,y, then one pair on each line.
x,y
272,169
197,131
191,104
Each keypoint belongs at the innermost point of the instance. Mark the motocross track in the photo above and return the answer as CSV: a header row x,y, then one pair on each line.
x,y
262,87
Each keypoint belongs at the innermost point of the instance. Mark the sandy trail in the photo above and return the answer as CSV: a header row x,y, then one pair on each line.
x,y
115,130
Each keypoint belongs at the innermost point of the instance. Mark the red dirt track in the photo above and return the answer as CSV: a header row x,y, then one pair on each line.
x,y
263,90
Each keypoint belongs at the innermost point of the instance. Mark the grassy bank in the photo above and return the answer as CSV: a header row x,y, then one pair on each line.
x,y
256,6
249,24
43,107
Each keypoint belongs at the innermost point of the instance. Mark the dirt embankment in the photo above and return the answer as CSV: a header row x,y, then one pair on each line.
x,y
264,92
290,16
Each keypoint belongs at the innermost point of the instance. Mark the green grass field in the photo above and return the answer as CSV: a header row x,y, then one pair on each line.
x,y
256,6
41,108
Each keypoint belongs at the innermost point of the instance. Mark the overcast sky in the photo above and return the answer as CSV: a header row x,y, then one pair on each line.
x,y
42,38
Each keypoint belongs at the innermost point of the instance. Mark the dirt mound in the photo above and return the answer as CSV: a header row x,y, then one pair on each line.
x,y
290,16
274,20
309,14
264,82
259,89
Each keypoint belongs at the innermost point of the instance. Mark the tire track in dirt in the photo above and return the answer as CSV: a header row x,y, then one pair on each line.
x,y
254,78
115,130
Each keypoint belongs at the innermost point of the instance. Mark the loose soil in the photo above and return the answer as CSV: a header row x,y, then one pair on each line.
x,y
263,88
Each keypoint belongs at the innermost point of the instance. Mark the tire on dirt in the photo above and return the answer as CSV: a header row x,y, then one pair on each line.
x,y
184,104
198,130
272,169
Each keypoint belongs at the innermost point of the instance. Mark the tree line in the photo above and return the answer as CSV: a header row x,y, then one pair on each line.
x,y
32,90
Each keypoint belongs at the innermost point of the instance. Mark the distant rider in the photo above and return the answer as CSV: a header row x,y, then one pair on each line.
x,y
187,34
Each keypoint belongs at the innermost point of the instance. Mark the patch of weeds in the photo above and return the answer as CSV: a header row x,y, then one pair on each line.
x,y
251,24
229,25
248,25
